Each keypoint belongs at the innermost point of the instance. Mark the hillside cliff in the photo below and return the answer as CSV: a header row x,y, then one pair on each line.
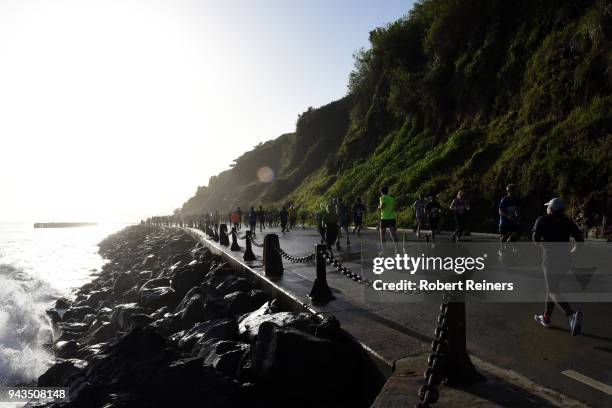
x,y
469,95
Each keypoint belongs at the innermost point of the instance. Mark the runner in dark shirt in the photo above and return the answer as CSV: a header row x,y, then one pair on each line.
x,y
555,228
358,212
284,219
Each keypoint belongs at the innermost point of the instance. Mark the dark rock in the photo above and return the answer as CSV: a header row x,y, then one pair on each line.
x,y
167,325
149,262
77,313
53,315
249,324
62,303
66,349
130,296
329,329
222,329
239,303
155,298
123,283
193,312
76,327
297,363
234,285
123,313
155,283
223,355
216,308
96,297
193,291
140,320
59,373
258,298
185,278
104,332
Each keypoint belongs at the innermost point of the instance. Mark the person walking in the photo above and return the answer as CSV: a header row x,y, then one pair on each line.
x,y
239,211
252,218
261,217
388,216
460,207
344,219
303,215
292,216
556,228
284,219
433,211
420,214
358,210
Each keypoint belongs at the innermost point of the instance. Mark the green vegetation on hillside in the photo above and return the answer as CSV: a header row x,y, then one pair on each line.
x,y
470,95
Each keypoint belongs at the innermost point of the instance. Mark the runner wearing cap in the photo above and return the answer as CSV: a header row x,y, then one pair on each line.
x,y
433,210
555,226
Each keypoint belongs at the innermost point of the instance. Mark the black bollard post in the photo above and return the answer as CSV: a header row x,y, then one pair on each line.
x,y
273,263
235,246
223,237
216,233
320,292
459,368
248,252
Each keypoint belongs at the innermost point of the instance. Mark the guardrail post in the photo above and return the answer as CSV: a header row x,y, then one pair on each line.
x,y
235,246
223,237
320,293
459,369
273,263
248,252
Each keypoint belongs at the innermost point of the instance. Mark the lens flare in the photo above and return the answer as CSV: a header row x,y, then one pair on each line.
x,y
265,174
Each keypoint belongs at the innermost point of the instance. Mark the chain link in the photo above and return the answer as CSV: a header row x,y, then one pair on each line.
x,y
436,363
294,259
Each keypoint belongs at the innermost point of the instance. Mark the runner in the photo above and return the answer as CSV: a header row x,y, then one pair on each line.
x,y
235,219
284,218
433,210
387,214
303,215
320,215
344,219
555,226
252,217
239,211
358,212
459,206
329,223
509,212
261,217
420,214
292,216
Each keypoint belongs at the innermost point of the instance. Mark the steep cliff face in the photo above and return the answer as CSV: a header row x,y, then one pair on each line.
x,y
468,95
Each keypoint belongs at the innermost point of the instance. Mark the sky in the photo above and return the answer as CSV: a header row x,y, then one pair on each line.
x,y
115,110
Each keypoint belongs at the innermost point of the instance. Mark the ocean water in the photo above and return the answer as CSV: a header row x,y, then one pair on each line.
x,y
36,267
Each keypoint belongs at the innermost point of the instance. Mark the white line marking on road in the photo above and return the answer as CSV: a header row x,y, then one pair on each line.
x,y
588,381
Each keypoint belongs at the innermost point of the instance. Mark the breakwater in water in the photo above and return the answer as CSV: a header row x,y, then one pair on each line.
x,y
168,323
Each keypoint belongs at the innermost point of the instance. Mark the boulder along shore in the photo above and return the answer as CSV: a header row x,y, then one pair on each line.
x,y
168,323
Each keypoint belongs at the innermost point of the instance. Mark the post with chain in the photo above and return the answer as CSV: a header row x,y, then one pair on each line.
x,y
273,263
460,370
235,246
320,292
248,252
216,233
223,237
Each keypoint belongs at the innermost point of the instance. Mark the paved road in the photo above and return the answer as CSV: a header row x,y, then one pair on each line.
x,y
503,334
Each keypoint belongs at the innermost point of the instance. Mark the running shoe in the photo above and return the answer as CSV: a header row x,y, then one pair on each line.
x,y
575,322
543,320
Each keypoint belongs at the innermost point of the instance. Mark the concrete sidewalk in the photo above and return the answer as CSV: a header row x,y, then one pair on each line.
x,y
399,339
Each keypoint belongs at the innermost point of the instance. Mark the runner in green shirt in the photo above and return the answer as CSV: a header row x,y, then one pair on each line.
x,y
387,214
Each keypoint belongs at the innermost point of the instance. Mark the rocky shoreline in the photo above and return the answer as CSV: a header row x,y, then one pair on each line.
x,y
168,323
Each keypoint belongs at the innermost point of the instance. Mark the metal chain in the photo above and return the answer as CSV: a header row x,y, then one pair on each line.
x,y
294,259
255,243
436,363
344,270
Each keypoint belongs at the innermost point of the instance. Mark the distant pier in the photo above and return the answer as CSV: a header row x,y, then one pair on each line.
x,y
63,224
